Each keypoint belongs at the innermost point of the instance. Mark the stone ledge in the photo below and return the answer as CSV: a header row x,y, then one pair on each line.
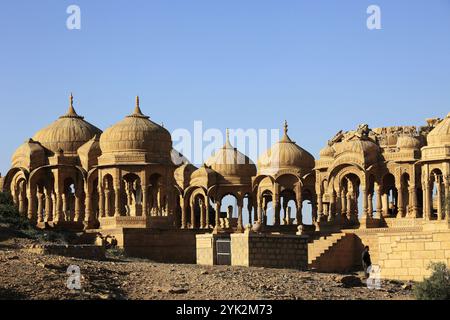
x,y
74,251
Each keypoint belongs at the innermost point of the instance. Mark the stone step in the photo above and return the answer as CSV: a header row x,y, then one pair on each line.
x,y
320,247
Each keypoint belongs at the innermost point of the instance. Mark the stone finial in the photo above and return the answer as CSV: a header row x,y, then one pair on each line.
x,y
285,135
227,140
71,113
137,110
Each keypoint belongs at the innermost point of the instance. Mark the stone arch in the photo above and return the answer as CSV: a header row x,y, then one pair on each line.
x,y
132,198
109,196
389,195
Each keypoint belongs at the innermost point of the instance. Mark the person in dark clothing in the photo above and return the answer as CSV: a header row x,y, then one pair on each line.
x,y
366,261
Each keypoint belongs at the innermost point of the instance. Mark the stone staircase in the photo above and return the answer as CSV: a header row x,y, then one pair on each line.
x,y
333,253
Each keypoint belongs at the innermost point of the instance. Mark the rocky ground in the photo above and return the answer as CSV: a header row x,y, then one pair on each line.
x,y
28,276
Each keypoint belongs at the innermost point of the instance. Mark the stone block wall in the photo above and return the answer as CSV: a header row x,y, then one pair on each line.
x,y
269,250
407,256
206,248
90,252
167,246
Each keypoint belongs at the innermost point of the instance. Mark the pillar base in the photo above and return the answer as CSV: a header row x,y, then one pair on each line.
x,y
91,224
368,222
63,225
141,222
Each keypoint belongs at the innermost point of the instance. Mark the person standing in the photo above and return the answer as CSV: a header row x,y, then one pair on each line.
x,y
366,261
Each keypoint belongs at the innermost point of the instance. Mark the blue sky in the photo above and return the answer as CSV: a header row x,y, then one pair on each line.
x,y
230,63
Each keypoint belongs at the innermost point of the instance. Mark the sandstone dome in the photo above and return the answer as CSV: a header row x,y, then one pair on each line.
x,y
29,155
139,135
229,162
67,134
440,135
357,146
408,142
286,154
328,151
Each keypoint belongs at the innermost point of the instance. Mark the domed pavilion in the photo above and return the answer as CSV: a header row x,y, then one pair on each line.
x,y
285,174
48,179
135,172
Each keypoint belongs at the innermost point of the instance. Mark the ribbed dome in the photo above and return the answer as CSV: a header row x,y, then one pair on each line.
x,y
229,162
357,146
328,151
68,133
286,154
137,134
441,134
29,155
369,150
408,142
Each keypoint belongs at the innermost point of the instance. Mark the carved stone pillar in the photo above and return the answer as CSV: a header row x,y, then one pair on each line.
x,y
447,199
159,199
183,213
413,202
260,212
59,207
144,201
193,222
48,206
117,201
299,200
332,210
285,204
277,212
440,211
400,202
349,206
78,196
101,203
428,202
89,216
65,207
21,204
240,226
379,202
40,206
289,216
249,208
365,213
370,205
299,216
343,205
108,212
337,205
54,206
319,206
207,222
31,195
217,218
314,210
202,214
385,205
